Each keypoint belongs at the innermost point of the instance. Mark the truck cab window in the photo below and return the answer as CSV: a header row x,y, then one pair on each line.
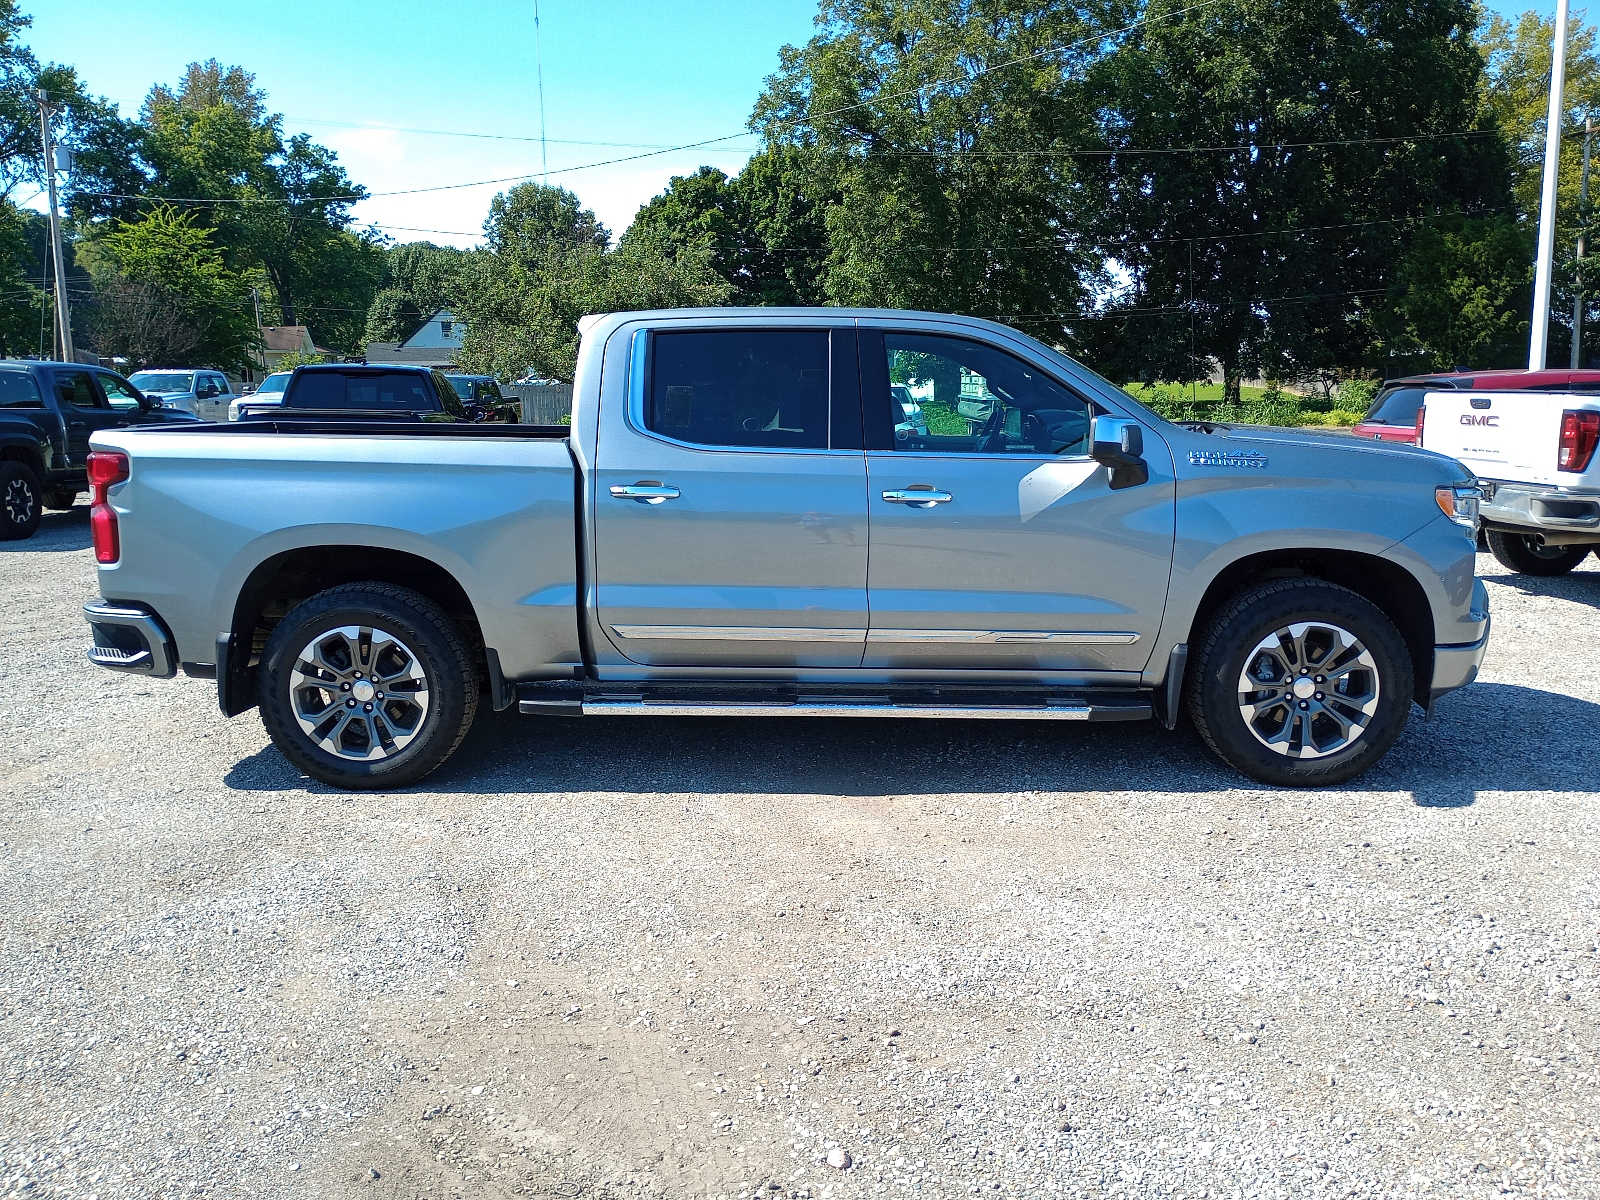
x,y
119,394
18,390
964,397
76,389
740,388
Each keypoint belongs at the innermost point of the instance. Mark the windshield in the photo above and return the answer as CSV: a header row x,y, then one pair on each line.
x,y
274,383
162,381
1396,406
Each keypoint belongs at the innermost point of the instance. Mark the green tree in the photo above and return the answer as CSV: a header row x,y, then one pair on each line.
x,y
764,228
24,307
419,278
1273,249
165,297
280,207
522,300
1462,294
936,131
533,219
1516,95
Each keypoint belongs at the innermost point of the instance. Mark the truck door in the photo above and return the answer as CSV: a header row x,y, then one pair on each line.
x,y
85,409
730,516
997,543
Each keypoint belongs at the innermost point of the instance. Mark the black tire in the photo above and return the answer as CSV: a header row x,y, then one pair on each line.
x,y
1234,634
60,498
1525,554
434,642
21,501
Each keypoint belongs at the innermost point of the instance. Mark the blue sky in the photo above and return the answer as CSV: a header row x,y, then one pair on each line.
x,y
355,73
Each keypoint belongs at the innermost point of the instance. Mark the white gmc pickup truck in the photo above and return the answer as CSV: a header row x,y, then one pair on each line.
x,y
1534,455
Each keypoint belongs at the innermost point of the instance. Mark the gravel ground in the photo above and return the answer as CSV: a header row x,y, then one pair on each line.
x,y
616,959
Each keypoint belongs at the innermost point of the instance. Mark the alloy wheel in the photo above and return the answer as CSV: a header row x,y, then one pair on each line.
x,y
359,692
1308,690
20,501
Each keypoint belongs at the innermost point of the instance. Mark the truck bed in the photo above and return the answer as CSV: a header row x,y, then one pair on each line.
x,y
204,514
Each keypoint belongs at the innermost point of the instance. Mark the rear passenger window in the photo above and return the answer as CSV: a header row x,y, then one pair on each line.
x,y
740,387
333,389
18,390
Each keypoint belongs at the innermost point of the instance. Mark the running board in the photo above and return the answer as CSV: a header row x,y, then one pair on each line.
x,y
598,700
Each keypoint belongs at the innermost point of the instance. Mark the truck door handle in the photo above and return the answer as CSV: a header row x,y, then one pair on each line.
x,y
919,496
645,492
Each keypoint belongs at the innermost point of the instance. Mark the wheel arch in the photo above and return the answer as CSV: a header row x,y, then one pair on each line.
x,y
1395,591
282,580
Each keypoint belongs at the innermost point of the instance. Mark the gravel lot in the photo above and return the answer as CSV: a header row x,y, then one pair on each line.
x,y
615,959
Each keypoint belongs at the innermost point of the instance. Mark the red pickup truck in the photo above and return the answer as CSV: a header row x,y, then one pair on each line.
x,y
1394,412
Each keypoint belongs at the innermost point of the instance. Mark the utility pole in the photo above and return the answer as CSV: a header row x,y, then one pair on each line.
x,y
1583,224
63,311
1540,333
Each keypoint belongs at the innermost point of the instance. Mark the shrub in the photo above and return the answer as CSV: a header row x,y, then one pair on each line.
x,y
1355,394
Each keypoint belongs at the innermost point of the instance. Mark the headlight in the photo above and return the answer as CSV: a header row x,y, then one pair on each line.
x,y
1459,502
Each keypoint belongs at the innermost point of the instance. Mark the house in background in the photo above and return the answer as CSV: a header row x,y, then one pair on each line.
x,y
279,340
435,344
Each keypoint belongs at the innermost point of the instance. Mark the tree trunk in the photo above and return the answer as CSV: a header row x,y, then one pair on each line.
x,y
1230,385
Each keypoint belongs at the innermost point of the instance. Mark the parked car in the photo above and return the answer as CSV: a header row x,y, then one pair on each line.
x,y
911,421
268,394
344,390
732,527
1536,461
204,394
483,398
1394,411
48,412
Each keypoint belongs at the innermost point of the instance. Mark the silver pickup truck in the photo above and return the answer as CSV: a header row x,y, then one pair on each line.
x,y
743,521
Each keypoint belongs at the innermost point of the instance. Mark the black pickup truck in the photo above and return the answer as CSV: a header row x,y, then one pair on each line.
x,y
48,413
407,392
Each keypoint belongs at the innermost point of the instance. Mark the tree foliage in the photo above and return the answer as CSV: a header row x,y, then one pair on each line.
x,y
165,297
418,280
939,130
280,207
548,267
1263,251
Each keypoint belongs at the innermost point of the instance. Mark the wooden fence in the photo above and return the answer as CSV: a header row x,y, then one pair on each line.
x,y
544,405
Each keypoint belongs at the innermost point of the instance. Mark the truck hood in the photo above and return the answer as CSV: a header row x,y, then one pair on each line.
x,y
1330,453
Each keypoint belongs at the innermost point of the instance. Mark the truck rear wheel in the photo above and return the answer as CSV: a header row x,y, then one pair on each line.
x,y
1527,555
1300,683
367,686
21,496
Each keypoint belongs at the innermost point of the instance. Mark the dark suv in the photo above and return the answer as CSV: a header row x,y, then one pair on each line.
x,y
1393,415
48,413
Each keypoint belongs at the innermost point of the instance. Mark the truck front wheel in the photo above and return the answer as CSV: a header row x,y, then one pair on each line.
x,y
1300,683
1528,555
367,686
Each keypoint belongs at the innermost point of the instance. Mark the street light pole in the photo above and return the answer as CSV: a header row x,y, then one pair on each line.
x,y
63,311
1583,227
1540,332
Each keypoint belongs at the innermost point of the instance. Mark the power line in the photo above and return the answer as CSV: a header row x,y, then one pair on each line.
x,y
379,127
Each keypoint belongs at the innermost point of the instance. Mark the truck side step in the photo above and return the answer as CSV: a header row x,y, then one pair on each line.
x,y
919,701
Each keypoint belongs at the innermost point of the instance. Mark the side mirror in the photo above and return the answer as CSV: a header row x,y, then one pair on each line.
x,y
1118,443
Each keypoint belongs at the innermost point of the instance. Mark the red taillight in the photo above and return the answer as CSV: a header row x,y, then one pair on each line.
x,y
1580,432
106,467
1422,417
